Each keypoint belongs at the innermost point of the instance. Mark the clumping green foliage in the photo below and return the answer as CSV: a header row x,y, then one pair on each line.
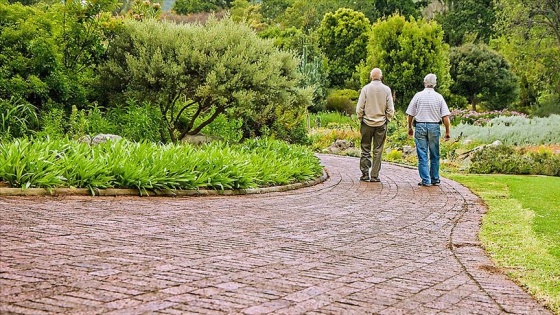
x,y
17,118
334,120
188,71
343,101
406,51
504,159
483,76
520,230
148,166
343,37
513,130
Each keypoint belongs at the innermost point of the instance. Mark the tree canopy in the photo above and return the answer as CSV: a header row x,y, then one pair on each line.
x,y
482,76
343,37
406,51
529,37
193,73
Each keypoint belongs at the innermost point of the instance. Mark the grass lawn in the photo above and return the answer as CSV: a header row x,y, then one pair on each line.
x,y
521,231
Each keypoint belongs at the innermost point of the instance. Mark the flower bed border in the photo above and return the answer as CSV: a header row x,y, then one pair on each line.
x,y
114,192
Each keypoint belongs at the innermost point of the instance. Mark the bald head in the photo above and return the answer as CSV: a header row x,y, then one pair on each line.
x,y
376,74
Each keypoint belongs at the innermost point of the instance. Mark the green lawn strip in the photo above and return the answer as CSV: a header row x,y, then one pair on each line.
x,y
521,231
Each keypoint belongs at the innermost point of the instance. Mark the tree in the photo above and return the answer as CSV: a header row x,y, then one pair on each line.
x,y
197,6
529,37
49,52
406,51
468,21
482,76
271,9
193,73
307,15
343,37
313,64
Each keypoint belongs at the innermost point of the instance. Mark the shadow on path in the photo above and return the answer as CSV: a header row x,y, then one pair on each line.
x,y
340,247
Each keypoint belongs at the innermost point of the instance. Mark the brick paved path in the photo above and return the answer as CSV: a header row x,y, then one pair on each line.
x,y
340,247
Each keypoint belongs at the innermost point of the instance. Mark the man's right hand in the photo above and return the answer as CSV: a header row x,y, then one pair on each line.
x,y
410,132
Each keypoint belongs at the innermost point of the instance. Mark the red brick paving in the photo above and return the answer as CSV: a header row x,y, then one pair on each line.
x,y
340,247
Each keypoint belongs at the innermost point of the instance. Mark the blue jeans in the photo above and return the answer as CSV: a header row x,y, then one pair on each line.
x,y
426,137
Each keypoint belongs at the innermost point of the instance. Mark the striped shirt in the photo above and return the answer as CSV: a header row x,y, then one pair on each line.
x,y
428,106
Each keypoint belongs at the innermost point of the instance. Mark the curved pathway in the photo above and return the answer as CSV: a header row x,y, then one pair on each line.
x,y
340,247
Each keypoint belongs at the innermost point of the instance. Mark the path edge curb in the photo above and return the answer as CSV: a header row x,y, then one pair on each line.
x,y
114,192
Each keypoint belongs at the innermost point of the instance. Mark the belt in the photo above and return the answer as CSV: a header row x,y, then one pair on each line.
x,y
434,123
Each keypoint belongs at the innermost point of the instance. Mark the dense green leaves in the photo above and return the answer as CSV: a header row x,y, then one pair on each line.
x,y
343,38
197,6
189,71
406,51
482,76
529,37
148,166
48,53
467,21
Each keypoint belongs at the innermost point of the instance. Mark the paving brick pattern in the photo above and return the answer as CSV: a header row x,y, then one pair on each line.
x,y
340,247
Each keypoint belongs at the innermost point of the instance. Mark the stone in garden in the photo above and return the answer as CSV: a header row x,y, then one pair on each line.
x,y
85,139
343,147
102,137
408,150
198,139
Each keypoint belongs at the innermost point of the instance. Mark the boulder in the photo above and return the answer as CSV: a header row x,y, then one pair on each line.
x,y
198,139
102,137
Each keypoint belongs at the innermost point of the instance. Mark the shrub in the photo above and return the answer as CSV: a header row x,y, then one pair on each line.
x,y
343,101
471,117
17,118
513,130
64,163
504,159
394,155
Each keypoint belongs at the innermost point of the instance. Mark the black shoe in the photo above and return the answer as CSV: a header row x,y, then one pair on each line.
x,y
436,183
375,180
364,178
423,184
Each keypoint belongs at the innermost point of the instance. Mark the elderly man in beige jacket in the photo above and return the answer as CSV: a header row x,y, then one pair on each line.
x,y
374,109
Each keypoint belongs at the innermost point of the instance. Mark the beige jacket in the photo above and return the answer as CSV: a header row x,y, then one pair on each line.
x,y
375,105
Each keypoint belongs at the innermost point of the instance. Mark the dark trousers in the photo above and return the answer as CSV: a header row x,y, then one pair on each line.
x,y
375,136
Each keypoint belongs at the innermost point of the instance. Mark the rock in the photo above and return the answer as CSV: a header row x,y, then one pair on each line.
x,y
85,139
408,150
198,139
338,146
102,137
496,143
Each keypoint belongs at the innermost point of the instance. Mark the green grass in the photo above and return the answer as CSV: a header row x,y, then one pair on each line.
x,y
521,231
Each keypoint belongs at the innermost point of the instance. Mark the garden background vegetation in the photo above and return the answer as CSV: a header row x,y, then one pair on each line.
x,y
256,74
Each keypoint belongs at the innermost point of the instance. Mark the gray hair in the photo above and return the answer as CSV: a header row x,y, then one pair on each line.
x,y
430,79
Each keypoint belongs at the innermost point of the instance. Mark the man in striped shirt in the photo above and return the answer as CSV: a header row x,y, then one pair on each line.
x,y
428,109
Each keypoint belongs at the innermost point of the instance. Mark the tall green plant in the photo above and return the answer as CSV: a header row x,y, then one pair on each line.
x,y
17,118
406,51
482,76
343,37
188,71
